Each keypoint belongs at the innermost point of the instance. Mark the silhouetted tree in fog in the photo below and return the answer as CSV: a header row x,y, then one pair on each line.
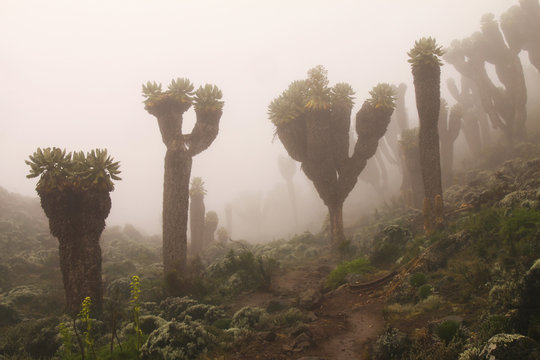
x,y
449,127
313,120
521,28
475,125
505,106
168,107
74,192
413,189
426,70
196,214
211,222
287,168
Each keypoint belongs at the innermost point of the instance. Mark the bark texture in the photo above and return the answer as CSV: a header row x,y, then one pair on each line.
x,y
427,91
449,127
77,219
196,222
178,160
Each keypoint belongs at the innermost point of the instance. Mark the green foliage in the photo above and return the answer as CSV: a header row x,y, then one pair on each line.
x,y
521,224
151,89
30,339
289,318
310,94
425,52
391,345
180,89
382,95
136,308
65,335
447,330
417,279
342,93
319,94
174,307
357,266
517,229
425,291
175,340
239,271
494,324
207,98
197,187
58,170
248,317
87,348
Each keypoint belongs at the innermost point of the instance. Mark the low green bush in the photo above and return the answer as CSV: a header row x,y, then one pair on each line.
x,y
447,330
417,279
357,266
425,291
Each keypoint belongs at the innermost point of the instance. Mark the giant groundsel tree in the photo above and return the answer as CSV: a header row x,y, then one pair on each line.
x,y
196,214
426,71
168,107
74,191
313,121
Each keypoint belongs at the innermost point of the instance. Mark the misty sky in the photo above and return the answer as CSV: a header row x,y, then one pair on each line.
x,y
71,75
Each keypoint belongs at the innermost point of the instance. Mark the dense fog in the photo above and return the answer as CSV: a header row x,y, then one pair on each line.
x,y
72,72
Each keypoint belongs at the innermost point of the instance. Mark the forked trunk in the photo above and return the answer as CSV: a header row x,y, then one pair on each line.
x,y
175,209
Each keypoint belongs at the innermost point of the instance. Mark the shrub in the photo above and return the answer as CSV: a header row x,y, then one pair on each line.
x,y
495,324
175,340
417,279
248,317
391,345
511,347
289,317
203,312
173,307
357,266
470,354
447,330
425,291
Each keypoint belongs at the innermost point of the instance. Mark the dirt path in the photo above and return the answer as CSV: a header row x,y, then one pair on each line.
x,y
344,325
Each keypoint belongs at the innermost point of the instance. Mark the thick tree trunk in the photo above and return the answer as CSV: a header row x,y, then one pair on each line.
x,y
77,220
80,262
175,209
196,223
415,191
427,91
336,223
